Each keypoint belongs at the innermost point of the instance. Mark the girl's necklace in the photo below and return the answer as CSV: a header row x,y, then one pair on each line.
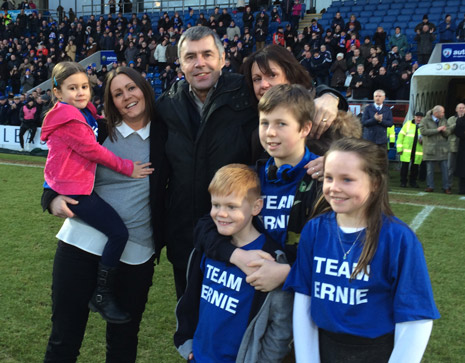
x,y
346,253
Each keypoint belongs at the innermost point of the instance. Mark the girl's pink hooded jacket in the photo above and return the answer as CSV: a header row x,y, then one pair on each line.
x,y
74,152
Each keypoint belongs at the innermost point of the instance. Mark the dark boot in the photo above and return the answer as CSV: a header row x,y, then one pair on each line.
x,y
103,300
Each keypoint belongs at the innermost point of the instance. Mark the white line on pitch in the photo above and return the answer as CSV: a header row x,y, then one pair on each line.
x,y
420,194
427,205
25,165
420,217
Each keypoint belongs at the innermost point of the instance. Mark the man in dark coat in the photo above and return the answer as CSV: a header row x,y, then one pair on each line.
x,y
377,117
360,84
210,120
424,39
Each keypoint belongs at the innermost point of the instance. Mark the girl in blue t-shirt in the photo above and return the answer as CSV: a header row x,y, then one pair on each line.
x,y
362,290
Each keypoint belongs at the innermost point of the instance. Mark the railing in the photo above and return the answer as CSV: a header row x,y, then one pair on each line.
x,y
160,6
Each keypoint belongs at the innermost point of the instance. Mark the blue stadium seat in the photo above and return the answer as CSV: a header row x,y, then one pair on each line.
x,y
347,3
439,3
412,24
380,13
364,14
450,10
402,19
436,11
411,5
370,28
394,12
410,33
357,9
453,3
397,6
390,19
370,7
383,6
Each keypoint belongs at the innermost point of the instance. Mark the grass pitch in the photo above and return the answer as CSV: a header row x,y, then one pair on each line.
x,y
27,246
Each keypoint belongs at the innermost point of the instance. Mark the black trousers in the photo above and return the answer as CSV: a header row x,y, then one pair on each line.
x,y
180,281
346,348
404,173
74,280
22,131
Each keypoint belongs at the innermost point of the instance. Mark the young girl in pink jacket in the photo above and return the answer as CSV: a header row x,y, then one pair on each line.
x,y
70,129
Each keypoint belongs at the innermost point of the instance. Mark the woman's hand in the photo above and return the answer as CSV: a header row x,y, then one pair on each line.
x,y
59,206
315,168
141,170
269,276
325,113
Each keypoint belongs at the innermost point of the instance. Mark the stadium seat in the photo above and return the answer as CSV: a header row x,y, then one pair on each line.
x,y
390,19
450,10
403,18
380,13
364,14
371,27
383,6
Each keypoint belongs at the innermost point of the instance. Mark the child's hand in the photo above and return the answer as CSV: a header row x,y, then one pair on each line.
x,y
141,170
269,276
315,168
242,258
190,357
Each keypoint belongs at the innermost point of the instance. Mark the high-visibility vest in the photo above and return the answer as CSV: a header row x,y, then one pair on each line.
x,y
391,135
405,143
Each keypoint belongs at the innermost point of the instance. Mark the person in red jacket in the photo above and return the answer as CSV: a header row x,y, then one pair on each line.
x,y
70,129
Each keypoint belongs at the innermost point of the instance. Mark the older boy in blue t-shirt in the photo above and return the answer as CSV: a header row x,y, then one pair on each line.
x,y
289,193
221,318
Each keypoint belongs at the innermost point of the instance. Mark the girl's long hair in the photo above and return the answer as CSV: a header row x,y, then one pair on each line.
x,y
375,164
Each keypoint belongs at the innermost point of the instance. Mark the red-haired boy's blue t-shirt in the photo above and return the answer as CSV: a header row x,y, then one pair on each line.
x,y
225,303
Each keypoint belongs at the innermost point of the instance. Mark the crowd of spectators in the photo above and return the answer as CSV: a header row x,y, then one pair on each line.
x,y
338,56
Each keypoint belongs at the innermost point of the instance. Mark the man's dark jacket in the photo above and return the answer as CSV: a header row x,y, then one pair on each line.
x,y
197,148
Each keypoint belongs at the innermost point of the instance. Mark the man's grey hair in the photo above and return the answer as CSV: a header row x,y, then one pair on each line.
x,y
199,32
379,91
437,108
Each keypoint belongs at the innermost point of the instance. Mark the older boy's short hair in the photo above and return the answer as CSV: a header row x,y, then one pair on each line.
x,y
294,97
236,178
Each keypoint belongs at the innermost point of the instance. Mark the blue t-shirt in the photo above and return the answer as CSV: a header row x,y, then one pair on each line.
x,y
225,303
397,290
278,197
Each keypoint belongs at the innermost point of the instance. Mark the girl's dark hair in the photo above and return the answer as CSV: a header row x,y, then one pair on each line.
x,y
375,164
111,112
63,70
294,71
